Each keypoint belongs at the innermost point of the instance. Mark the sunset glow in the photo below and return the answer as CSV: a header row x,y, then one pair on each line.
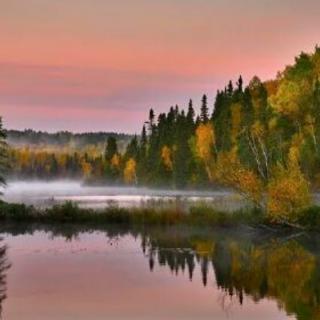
x,y
100,65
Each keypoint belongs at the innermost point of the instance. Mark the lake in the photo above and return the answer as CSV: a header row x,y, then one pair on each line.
x,y
46,194
69,272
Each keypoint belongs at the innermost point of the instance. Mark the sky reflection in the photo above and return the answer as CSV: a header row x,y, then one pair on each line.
x,y
93,276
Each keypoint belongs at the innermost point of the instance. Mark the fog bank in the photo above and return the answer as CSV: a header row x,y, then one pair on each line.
x,y
45,194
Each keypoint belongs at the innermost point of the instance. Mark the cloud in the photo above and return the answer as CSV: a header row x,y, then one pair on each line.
x,y
39,95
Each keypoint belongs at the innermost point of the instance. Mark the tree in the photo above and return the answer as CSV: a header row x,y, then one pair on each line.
x,y
205,141
182,153
240,84
288,194
190,113
129,173
86,169
3,155
204,111
151,120
111,148
229,171
132,150
166,156
230,89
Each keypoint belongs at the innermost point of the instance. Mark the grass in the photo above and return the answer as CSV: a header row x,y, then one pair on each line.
x,y
71,213
198,215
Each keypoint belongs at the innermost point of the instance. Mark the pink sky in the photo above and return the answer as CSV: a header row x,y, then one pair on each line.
x,y
90,65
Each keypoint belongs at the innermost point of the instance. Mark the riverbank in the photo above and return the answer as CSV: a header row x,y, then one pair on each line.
x,y
197,215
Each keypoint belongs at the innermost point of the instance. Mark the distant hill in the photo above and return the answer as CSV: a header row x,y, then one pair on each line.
x,y
31,138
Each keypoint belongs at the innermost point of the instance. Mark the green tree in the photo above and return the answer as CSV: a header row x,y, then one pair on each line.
x,y
111,148
204,111
3,155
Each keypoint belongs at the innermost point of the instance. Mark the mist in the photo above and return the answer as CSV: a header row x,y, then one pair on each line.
x,y
48,193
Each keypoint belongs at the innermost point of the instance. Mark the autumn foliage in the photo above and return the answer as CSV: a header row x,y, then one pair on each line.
x,y
205,140
129,173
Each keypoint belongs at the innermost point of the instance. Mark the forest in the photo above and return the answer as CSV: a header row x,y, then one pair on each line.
x,y
260,139
65,139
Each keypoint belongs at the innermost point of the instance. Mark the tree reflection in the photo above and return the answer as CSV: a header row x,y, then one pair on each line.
x,y
257,266
285,271
4,266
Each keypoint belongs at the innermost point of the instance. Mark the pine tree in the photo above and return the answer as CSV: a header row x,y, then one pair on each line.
x,y
132,149
111,148
204,111
197,121
3,155
191,113
218,105
142,155
144,140
151,120
230,89
182,153
240,84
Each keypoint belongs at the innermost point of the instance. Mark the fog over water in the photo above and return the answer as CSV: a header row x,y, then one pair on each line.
x,y
44,194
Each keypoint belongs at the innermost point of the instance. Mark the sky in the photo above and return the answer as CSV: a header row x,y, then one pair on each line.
x,y
100,65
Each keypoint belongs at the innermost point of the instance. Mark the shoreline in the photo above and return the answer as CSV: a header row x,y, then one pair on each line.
x,y
198,216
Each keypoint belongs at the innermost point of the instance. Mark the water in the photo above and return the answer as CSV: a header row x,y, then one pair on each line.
x,y
157,273
45,194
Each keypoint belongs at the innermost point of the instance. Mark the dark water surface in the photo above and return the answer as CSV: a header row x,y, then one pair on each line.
x,y
157,273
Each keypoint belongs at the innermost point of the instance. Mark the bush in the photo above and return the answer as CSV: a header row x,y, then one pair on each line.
x,y
310,217
17,212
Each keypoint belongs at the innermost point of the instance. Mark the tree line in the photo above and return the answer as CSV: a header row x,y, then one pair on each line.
x,y
261,139
37,139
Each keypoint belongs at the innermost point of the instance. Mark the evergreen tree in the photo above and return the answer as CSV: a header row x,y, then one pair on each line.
x,y
182,153
151,120
218,105
204,111
3,155
143,142
191,113
132,149
111,148
240,85
190,124
230,89
198,121
142,156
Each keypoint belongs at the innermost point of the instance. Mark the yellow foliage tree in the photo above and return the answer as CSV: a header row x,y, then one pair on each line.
x,y
86,169
230,172
292,98
24,157
205,141
129,173
166,157
115,161
287,192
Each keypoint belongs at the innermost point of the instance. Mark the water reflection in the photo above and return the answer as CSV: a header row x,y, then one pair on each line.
x,y
240,264
4,266
285,270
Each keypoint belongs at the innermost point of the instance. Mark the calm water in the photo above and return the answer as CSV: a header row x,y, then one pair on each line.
x,y
158,273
